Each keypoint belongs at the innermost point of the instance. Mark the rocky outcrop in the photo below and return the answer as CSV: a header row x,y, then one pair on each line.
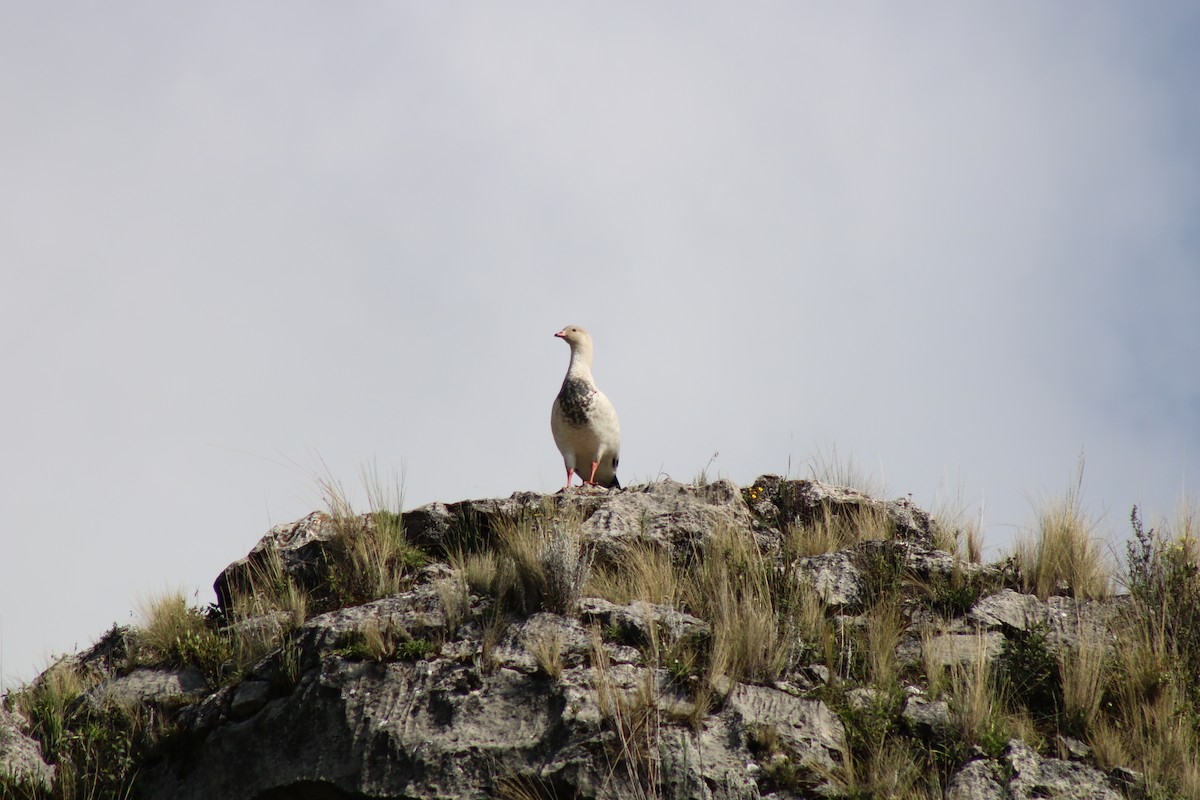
x,y
1022,774
454,723
21,761
437,692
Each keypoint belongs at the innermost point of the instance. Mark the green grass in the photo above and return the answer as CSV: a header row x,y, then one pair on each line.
x,y
384,642
172,633
95,744
369,556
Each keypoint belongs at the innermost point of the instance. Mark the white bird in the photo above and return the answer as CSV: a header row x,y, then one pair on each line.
x,y
583,420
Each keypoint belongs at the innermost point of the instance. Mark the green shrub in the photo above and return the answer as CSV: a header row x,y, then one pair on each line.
x,y
883,570
953,594
1163,577
369,558
95,744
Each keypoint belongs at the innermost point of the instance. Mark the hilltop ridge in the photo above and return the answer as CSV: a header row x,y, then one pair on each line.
x,y
785,639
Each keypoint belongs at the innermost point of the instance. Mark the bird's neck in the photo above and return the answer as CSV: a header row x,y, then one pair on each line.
x,y
581,363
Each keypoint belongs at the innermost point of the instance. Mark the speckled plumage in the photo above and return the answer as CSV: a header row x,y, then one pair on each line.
x,y
583,420
575,399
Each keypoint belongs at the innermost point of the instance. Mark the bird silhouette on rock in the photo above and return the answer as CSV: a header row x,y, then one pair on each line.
x,y
583,420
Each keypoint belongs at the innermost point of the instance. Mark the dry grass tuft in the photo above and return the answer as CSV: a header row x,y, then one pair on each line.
x,y
271,590
1147,720
264,613
643,571
166,621
760,615
737,589
891,771
486,573
636,722
830,468
885,626
956,531
372,558
96,747
550,561
525,787
979,707
1083,669
1149,723
960,537
383,640
546,649
833,532
174,633
455,594
1063,552
369,557
46,703
493,632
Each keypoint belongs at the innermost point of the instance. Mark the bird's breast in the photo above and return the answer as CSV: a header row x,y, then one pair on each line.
x,y
575,399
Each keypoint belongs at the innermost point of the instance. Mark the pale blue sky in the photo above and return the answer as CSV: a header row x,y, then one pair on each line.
x,y
958,243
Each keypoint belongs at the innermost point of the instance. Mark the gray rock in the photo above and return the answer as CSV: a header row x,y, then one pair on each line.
x,y
963,649
801,502
423,729
249,698
156,686
818,673
808,731
928,719
301,547
517,648
1129,781
1008,608
636,619
862,698
444,729
978,780
419,613
840,578
21,764
834,576
1033,776
1071,621
444,527
107,657
1073,748
304,547
266,627
670,514
449,725
925,563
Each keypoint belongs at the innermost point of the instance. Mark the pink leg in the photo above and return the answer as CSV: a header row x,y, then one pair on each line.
x,y
570,474
591,481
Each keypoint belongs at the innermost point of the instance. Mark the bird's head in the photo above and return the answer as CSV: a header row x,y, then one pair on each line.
x,y
580,342
574,335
